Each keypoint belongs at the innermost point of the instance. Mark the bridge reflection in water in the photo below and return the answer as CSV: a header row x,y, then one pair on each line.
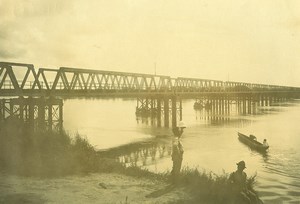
x,y
221,112
160,110
141,153
213,109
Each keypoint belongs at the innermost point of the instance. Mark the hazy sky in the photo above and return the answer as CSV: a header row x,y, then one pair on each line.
x,y
240,40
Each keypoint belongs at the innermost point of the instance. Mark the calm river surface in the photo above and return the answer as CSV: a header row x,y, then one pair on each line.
x,y
210,143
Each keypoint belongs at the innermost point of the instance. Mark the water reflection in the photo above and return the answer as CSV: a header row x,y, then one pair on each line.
x,y
211,134
230,113
209,118
140,153
147,120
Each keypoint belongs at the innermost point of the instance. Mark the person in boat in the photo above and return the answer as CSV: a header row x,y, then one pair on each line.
x,y
265,144
239,189
177,151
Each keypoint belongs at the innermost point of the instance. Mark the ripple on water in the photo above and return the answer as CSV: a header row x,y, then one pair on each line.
x,y
278,186
268,193
294,193
277,200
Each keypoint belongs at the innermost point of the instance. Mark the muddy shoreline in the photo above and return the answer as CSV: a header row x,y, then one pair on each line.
x,y
91,188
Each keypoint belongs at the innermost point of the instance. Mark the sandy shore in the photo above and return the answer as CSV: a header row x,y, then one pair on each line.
x,y
93,188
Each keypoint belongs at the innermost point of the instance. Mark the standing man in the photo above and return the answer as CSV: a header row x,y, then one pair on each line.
x,y
177,151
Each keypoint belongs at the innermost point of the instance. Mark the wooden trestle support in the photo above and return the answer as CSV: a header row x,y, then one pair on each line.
x,y
162,109
37,113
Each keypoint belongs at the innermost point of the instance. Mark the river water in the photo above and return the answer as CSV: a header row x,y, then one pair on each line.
x,y
210,143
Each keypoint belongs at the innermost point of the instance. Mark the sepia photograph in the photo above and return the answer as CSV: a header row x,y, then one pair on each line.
x,y
149,101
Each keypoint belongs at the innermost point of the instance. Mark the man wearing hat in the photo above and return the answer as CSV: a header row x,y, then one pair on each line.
x,y
238,180
177,131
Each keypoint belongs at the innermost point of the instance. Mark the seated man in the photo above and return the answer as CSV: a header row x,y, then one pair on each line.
x,y
265,144
238,181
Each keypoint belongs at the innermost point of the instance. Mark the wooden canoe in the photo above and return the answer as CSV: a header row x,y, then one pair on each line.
x,y
252,143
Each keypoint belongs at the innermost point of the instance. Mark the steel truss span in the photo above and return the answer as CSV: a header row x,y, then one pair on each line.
x,y
18,79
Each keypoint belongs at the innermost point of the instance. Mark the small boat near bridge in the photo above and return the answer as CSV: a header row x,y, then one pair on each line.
x,y
252,142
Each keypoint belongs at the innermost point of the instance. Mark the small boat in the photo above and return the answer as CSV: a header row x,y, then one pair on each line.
x,y
252,142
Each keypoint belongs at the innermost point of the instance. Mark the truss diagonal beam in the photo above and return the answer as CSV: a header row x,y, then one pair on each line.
x,y
69,80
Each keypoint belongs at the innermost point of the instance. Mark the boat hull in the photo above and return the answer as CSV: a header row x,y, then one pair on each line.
x,y
253,144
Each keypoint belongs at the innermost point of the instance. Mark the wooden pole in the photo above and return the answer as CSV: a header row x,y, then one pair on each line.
x,y
166,112
174,112
158,112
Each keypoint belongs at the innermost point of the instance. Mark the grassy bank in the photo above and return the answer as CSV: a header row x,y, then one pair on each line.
x,y
209,187
45,154
52,154
49,154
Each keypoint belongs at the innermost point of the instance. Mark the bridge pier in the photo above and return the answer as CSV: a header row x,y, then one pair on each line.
x,y
37,113
161,108
220,105
166,112
249,100
158,112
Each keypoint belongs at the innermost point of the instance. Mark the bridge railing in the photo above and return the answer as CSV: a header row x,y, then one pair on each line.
x,y
28,85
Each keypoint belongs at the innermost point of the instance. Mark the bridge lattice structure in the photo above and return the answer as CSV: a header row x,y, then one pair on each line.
x,y
18,79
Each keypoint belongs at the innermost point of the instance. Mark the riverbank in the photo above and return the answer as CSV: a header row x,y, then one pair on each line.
x,y
48,167
91,188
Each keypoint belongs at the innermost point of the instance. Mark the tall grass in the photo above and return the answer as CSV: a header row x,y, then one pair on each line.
x,y
208,187
43,153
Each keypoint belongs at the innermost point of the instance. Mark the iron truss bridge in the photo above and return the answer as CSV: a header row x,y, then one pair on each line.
x,y
18,79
